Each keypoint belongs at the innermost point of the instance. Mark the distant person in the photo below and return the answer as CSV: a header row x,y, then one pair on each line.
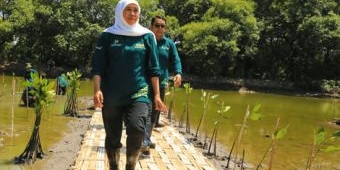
x,y
50,65
26,96
124,63
168,58
29,71
61,84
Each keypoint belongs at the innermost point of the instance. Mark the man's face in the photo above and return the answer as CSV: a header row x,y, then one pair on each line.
x,y
158,28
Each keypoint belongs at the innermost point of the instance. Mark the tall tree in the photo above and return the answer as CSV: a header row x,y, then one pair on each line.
x,y
288,51
227,36
241,14
186,11
15,17
206,44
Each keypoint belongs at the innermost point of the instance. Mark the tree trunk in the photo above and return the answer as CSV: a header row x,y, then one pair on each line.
x,y
33,149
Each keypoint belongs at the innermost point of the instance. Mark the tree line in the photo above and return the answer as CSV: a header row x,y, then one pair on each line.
x,y
286,40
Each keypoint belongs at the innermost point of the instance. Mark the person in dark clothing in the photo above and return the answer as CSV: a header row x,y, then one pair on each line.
x,y
26,96
29,71
124,63
168,58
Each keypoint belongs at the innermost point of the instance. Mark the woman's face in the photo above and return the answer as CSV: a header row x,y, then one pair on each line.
x,y
131,14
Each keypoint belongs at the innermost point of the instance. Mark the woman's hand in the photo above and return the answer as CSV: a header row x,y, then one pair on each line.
x,y
177,80
98,99
159,105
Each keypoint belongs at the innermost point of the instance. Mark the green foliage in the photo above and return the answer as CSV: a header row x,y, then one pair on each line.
x,y
320,136
205,98
331,149
289,40
222,110
71,104
277,135
336,134
149,10
186,112
193,10
280,133
320,144
208,45
42,90
300,39
188,88
330,86
255,113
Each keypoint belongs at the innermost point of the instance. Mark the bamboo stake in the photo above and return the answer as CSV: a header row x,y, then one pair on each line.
x,y
2,93
243,126
12,109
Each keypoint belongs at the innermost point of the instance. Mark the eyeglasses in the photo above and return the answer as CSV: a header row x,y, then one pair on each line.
x,y
159,25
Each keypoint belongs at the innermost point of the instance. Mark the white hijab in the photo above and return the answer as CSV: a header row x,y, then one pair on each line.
x,y
121,27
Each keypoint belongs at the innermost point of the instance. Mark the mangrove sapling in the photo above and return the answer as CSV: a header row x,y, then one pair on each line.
x,y
2,92
242,159
205,99
230,152
213,137
221,116
172,101
319,142
73,81
12,108
239,136
277,135
186,112
205,137
255,115
42,90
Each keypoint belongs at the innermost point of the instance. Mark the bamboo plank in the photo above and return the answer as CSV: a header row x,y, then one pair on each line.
x,y
173,151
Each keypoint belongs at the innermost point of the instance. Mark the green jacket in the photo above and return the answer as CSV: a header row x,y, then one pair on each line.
x,y
125,65
168,60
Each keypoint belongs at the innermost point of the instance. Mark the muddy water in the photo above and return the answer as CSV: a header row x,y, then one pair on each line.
x,y
302,114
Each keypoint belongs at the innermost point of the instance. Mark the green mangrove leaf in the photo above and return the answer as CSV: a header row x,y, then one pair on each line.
x,y
320,136
336,134
214,96
257,107
226,108
279,134
187,87
331,149
204,93
255,116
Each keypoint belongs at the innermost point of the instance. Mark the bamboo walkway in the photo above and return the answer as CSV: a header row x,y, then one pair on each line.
x,y
172,152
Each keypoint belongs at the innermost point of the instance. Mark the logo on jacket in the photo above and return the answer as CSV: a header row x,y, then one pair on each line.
x,y
164,47
139,45
115,43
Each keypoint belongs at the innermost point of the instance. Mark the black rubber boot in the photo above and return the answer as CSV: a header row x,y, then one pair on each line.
x,y
113,157
131,159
